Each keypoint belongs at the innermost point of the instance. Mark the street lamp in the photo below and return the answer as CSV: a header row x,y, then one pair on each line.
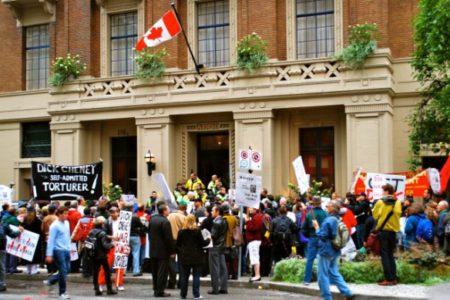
x,y
150,161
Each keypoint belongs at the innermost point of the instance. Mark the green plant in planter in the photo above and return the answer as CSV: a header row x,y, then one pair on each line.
x,y
251,53
362,43
150,63
65,68
114,192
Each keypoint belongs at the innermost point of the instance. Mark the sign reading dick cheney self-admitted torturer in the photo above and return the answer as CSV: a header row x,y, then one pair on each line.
x,y
66,182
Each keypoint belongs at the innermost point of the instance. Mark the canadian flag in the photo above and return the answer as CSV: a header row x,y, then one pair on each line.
x,y
165,29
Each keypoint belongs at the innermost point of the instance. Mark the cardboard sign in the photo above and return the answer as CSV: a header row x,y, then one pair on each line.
x,y
300,173
122,248
66,182
374,182
24,245
248,190
129,198
250,160
73,252
434,179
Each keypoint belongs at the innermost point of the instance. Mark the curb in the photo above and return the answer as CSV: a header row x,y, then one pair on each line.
x,y
261,285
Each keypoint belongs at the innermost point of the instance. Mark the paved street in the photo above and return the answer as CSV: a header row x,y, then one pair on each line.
x,y
34,290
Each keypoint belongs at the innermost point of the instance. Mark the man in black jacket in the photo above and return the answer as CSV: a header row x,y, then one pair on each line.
x,y
5,230
361,210
162,247
217,263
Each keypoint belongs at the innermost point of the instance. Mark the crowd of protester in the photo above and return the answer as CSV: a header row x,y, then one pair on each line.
x,y
206,232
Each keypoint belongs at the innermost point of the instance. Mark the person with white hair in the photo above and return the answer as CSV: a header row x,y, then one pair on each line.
x,y
442,210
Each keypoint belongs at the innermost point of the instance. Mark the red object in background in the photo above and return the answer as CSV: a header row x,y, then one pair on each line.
x,y
445,175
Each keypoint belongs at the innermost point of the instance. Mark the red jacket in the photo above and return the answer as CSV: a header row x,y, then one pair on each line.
x,y
349,220
73,218
253,229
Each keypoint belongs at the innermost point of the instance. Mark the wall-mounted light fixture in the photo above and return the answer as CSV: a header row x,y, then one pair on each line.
x,y
150,161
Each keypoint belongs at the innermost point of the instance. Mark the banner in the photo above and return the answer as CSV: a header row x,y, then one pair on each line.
x,y
374,182
122,246
66,182
248,190
24,245
300,173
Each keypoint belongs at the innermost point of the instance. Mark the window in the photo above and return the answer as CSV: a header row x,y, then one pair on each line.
x,y
315,28
123,39
317,151
37,56
213,27
36,141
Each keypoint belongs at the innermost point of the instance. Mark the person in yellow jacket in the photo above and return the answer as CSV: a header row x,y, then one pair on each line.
x,y
194,182
388,207
231,253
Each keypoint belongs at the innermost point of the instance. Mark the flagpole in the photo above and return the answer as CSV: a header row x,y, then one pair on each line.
x,y
197,66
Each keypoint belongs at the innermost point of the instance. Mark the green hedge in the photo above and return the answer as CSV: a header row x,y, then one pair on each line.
x,y
293,271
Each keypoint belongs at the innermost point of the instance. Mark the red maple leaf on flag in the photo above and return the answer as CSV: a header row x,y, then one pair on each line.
x,y
155,33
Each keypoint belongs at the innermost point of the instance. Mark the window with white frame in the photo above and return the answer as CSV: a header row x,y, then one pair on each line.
x,y
315,28
123,38
213,26
37,46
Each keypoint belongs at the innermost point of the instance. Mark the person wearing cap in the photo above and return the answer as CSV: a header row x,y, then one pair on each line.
x,y
318,214
32,223
103,245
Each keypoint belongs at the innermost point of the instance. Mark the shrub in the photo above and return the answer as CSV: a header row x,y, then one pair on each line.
x,y
150,63
362,43
361,272
291,270
66,67
114,192
251,52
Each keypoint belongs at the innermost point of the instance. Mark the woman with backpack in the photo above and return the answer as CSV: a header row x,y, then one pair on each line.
x,y
101,245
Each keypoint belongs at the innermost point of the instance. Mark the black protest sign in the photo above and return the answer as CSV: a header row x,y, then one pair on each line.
x,y
57,182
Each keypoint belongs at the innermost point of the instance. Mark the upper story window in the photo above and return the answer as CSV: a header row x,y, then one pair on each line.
x,y
37,56
124,34
213,25
36,139
315,28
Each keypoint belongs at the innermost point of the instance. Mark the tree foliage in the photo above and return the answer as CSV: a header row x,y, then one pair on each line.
x,y
429,121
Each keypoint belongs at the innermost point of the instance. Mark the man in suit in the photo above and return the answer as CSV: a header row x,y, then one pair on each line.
x,y
162,248
217,264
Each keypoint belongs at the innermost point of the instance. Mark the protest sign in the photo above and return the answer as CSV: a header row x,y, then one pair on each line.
x,y
66,182
122,247
24,245
248,190
5,195
374,182
129,198
73,252
300,173
434,179
167,193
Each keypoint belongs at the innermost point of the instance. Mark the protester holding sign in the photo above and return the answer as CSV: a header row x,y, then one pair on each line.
x,y
5,230
33,224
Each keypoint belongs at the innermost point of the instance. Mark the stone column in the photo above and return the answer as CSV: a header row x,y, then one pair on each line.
x,y
157,135
255,129
67,142
370,134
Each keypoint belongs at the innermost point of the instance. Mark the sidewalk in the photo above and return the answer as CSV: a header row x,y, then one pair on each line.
x,y
361,291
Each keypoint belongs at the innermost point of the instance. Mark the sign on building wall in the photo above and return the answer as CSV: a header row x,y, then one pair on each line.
x,y
375,181
248,190
24,245
66,182
122,248
250,160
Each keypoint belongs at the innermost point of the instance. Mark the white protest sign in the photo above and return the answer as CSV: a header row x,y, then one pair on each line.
x,y
250,160
434,178
374,182
122,248
248,190
24,245
167,193
5,195
128,198
73,252
300,173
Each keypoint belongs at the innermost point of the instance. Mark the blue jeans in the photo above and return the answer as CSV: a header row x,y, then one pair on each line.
x,y
328,273
62,261
2,268
360,235
135,244
185,271
311,253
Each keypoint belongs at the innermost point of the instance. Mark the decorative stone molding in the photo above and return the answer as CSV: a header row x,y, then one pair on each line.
x,y
248,115
34,12
361,110
291,28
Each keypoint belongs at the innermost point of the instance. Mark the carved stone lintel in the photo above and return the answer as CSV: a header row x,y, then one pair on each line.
x,y
103,3
17,8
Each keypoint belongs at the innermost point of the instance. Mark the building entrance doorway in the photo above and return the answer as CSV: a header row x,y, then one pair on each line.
x,y
213,156
124,163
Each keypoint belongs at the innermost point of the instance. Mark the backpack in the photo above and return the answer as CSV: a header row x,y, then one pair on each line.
x,y
300,218
91,244
83,229
266,227
342,235
424,230
283,229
